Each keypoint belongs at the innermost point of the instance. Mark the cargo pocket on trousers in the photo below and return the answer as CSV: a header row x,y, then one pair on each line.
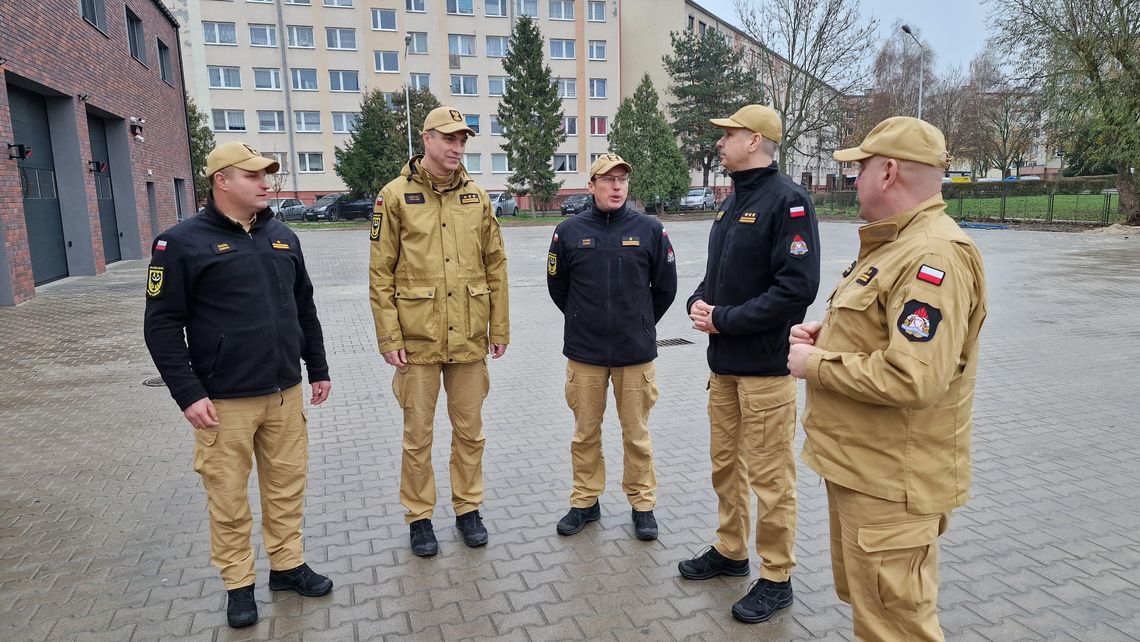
x,y
651,392
571,390
775,410
400,385
907,574
416,309
204,438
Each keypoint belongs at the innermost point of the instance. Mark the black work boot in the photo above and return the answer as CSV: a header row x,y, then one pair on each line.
x,y
644,525
764,598
241,607
301,579
710,564
471,525
424,543
577,519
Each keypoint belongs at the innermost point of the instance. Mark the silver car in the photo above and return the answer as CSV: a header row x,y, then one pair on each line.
x,y
287,209
698,198
503,204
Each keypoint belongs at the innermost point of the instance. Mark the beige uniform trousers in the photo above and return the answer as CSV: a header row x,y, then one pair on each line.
x,y
753,421
885,563
417,390
635,390
273,429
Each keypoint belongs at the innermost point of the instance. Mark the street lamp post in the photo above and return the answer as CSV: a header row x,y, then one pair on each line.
x,y
408,100
921,66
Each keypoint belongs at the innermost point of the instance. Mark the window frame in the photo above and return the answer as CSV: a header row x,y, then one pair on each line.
x,y
356,121
593,83
300,123
292,30
591,44
562,42
206,24
459,39
276,76
414,79
308,162
165,65
226,113
573,85
293,77
590,5
562,4
462,77
506,163
94,13
278,118
379,25
378,58
503,8
270,29
567,157
456,3
136,35
340,31
505,41
567,120
604,120
222,71
340,75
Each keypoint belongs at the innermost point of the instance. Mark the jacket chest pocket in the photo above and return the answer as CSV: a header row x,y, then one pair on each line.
x,y
854,314
415,307
478,309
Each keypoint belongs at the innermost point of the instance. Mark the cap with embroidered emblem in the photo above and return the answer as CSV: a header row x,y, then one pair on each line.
x,y
760,119
606,162
904,138
446,120
238,154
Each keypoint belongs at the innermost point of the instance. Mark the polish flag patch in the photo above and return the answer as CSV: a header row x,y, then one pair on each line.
x,y
797,211
930,275
160,246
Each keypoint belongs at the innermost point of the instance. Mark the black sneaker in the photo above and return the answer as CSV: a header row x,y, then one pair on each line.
x,y
424,543
709,564
764,598
241,607
471,525
577,519
644,525
301,579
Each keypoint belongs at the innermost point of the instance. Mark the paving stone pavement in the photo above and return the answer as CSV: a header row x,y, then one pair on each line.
x,y
103,530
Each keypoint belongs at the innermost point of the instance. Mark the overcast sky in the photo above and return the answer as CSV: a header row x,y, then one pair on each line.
x,y
956,31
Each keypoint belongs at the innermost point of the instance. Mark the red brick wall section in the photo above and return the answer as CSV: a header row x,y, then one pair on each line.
x,y
54,46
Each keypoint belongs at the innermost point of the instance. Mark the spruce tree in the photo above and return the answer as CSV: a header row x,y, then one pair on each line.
x,y
642,136
530,113
374,153
201,142
423,101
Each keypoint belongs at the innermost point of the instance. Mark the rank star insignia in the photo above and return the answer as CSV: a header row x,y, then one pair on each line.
x,y
919,321
867,275
719,215
467,199
798,247
551,263
280,245
748,218
630,241
849,268
155,277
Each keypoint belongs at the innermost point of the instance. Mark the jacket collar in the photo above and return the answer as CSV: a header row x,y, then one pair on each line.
x,y
750,179
611,215
881,232
413,172
214,215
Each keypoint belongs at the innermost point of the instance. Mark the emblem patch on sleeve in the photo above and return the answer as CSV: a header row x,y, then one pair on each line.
x,y
155,278
669,257
467,199
414,198
160,246
798,247
378,204
867,275
375,233
797,211
930,275
555,238
551,263
919,321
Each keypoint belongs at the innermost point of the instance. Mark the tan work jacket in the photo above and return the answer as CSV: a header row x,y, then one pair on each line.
x,y
438,270
890,392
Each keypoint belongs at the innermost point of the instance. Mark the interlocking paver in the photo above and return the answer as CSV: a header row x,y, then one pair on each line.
x,y
103,528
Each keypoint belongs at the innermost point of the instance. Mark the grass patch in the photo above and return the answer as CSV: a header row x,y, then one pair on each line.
x,y
325,225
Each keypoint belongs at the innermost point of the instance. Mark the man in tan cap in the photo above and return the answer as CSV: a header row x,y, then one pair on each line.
x,y
438,276
890,384
762,274
612,272
227,335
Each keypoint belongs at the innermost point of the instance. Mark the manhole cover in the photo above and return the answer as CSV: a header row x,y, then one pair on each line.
x,y
664,343
154,382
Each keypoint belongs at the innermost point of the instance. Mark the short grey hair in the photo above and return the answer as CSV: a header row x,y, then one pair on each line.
x,y
769,147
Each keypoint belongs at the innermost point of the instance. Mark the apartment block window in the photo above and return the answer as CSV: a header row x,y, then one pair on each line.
x,y
229,120
307,121
472,121
344,122
702,27
690,23
561,49
473,163
495,8
310,162
459,44
594,157
464,85
266,78
224,77
597,88
415,6
304,2
269,122
263,35
343,4
500,164
340,38
596,11
219,33
570,125
344,80
597,50
565,163
384,19
527,8
561,9
282,161
164,70
135,37
261,1
497,46
567,88
496,85
420,81
495,125
418,43
461,7
304,79
301,37
598,126
386,62
95,12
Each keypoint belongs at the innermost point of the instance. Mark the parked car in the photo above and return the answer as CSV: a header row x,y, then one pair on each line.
x,y
576,204
287,209
503,204
333,207
698,198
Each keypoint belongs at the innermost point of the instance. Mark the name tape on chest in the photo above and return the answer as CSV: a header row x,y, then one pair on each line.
x,y
222,248
468,199
414,198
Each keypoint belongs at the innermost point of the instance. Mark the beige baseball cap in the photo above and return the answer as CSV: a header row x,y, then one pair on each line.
x,y
606,162
446,120
238,154
903,138
761,119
